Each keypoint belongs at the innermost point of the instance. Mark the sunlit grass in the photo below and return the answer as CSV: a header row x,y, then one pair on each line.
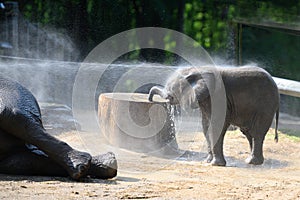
x,y
293,135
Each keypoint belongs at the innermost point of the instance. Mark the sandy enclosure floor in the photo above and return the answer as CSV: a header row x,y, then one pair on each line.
x,y
143,176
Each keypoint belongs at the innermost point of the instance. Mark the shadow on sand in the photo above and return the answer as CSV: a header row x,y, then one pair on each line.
x,y
189,156
8,177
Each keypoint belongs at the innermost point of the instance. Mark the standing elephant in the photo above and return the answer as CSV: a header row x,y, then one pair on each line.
x,y
252,99
27,149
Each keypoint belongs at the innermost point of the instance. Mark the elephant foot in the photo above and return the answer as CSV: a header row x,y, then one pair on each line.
x,y
209,158
218,162
255,160
77,164
103,166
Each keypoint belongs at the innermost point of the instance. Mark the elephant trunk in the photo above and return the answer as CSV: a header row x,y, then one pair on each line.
x,y
156,90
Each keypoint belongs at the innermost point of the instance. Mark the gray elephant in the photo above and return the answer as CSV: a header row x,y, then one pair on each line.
x,y
27,149
252,99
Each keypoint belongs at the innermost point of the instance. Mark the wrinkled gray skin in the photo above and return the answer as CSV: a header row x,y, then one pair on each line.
x,y
252,100
26,148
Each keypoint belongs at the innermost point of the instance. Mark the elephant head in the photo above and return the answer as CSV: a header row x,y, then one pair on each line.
x,y
187,87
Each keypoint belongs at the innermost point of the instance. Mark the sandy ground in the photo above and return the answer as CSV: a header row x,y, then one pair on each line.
x,y
143,176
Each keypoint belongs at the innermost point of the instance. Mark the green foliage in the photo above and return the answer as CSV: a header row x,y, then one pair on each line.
x,y
276,11
89,22
293,135
212,23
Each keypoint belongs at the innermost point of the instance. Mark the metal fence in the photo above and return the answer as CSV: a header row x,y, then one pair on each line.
x,y
20,38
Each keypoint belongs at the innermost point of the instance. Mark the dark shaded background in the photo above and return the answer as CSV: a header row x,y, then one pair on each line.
x,y
209,22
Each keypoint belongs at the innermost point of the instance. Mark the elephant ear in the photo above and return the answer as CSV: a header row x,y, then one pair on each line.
x,y
202,84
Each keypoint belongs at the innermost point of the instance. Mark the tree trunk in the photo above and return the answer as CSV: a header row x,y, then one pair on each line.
x,y
130,121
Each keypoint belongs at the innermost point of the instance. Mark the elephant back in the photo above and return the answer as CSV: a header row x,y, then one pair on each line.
x,y
15,98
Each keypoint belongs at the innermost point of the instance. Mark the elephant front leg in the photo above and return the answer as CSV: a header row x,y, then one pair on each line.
x,y
217,150
103,166
256,157
209,157
205,125
26,162
31,131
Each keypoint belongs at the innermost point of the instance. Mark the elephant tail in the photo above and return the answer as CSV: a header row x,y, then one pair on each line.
x,y
276,126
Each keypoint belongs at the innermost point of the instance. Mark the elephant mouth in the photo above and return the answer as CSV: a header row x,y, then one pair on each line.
x,y
172,100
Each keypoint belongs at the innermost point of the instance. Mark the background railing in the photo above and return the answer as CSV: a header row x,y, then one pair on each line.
x,y
288,87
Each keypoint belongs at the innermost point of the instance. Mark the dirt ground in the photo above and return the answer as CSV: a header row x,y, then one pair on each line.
x,y
143,176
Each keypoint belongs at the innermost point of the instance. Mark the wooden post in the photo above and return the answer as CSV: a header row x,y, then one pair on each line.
x,y
130,121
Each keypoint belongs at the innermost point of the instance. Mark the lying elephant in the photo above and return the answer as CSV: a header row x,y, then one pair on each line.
x,y
252,99
27,149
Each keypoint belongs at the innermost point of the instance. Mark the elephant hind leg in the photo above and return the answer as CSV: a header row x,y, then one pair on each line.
x,y
258,130
30,130
28,163
9,144
257,135
249,138
256,157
